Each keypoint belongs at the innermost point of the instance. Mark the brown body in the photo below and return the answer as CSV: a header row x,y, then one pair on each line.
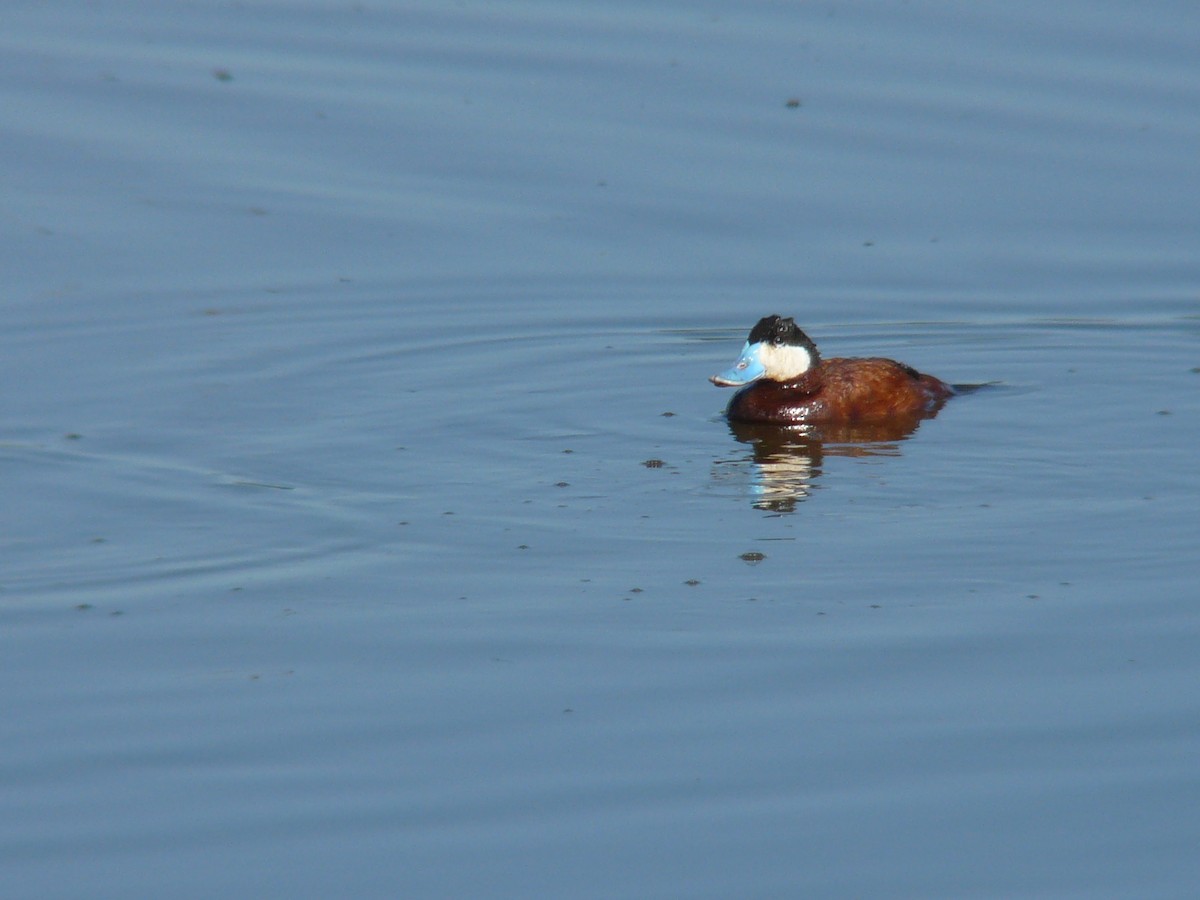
x,y
842,392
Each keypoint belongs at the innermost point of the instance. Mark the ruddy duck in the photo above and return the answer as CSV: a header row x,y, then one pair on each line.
x,y
789,383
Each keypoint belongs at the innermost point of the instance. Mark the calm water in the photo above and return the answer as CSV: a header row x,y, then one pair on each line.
x,y
370,527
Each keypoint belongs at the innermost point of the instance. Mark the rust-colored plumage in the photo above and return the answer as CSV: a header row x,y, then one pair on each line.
x,y
842,392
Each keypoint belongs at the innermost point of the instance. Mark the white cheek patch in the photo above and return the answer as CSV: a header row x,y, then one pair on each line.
x,y
784,362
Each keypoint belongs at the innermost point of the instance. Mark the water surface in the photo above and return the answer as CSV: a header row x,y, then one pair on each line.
x,y
370,526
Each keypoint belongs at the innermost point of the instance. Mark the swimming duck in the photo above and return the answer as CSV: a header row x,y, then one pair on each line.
x,y
790,384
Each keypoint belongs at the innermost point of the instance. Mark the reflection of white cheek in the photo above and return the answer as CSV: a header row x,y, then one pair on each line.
x,y
784,476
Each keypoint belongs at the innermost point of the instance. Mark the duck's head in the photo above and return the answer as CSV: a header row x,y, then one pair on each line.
x,y
776,350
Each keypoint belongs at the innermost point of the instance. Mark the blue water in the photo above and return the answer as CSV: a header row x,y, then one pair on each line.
x,y
370,527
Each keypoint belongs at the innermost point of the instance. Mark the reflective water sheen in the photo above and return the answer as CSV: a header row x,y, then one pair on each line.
x,y
370,527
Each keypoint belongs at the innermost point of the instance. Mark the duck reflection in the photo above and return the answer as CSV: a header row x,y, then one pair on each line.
x,y
787,460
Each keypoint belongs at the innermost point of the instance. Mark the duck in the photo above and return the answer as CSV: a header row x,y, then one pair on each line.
x,y
785,381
